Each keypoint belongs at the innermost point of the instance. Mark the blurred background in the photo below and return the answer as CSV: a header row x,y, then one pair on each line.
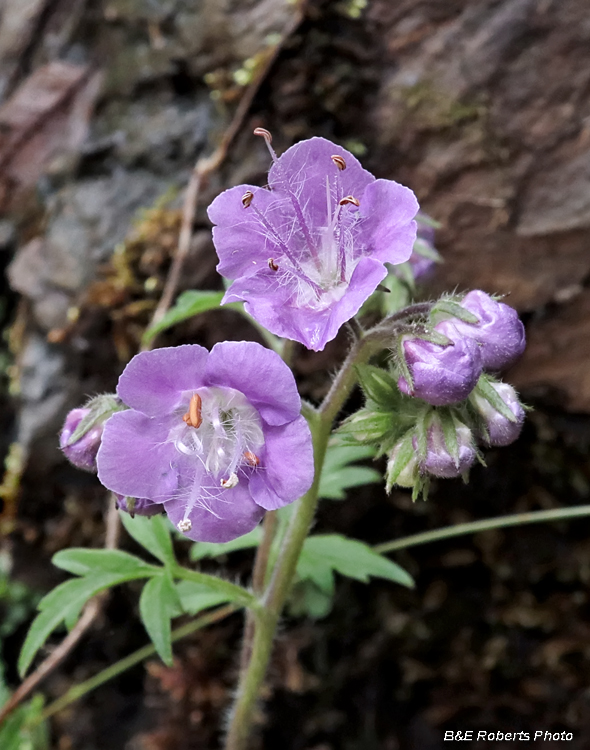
x,y
482,107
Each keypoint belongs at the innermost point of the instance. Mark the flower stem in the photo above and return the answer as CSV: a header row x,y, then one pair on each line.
x,y
518,519
266,620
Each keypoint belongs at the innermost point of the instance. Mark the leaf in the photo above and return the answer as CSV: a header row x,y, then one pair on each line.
x,y
187,305
153,534
81,562
200,550
348,557
338,475
158,604
195,597
64,603
23,728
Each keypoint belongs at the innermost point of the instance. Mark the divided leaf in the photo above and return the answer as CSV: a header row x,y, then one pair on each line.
x,y
195,597
325,553
339,474
153,534
158,604
188,304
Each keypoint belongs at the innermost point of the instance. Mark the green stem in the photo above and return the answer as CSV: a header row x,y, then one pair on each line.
x,y
235,593
78,691
519,519
266,620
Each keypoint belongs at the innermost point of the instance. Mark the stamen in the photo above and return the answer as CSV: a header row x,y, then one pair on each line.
x,y
251,458
193,416
349,199
264,133
184,525
231,481
272,265
339,162
247,198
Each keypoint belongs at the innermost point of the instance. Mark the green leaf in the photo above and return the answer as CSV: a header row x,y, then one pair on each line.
x,y
338,475
307,599
158,604
82,562
63,604
187,305
348,557
200,550
195,597
152,533
23,728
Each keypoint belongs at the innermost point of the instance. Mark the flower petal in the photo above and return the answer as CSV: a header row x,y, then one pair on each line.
x,y
260,374
286,465
232,515
135,459
244,242
153,382
305,168
388,210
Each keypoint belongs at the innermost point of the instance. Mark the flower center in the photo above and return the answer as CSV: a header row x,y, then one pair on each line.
x,y
221,430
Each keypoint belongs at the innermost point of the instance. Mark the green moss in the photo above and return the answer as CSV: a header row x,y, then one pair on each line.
x,y
429,108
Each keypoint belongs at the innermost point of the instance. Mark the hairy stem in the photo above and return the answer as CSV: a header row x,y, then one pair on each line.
x,y
266,620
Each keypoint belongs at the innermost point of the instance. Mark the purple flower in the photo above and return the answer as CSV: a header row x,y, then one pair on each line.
x,y
307,252
81,453
500,431
438,461
215,437
422,260
441,375
500,333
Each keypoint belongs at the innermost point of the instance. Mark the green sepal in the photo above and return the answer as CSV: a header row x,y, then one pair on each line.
x,y
447,423
455,310
101,408
378,385
485,390
403,457
366,427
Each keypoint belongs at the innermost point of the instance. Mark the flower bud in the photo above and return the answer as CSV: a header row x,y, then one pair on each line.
x,y
138,506
438,460
441,375
499,430
81,434
500,333
402,466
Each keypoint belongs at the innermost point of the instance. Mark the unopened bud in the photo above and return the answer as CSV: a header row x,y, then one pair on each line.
x,y
82,431
439,460
498,429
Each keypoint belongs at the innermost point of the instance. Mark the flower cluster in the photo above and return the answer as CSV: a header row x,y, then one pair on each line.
x,y
487,337
306,253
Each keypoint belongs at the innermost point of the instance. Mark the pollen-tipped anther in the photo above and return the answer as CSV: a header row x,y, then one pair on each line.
x,y
339,162
251,458
264,133
272,265
185,525
349,199
247,198
193,416
231,481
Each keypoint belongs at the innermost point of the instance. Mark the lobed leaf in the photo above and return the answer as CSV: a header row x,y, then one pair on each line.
x,y
158,604
187,305
153,534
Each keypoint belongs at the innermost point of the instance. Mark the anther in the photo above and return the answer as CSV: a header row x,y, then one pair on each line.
x,y
264,133
231,481
339,161
193,416
272,265
185,525
349,199
251,458
247,198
